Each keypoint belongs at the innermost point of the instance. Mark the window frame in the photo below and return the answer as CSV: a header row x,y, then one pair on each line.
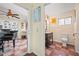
x,y
65,21
59,21
66,18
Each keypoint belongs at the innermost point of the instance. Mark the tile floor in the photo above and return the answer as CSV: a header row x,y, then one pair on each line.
x,y
58,50
19,50
30,54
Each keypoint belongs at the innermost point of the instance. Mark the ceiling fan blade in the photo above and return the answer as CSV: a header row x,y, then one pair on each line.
x,y
16,17
3,11
16,14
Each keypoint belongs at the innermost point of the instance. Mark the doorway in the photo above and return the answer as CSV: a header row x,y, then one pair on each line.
x,y
21,42
60,24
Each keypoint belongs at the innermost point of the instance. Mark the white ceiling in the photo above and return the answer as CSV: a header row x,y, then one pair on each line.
x,y
56,9
22,9
15,8
25,5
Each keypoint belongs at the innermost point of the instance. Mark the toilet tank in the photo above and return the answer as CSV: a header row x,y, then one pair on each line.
x,y
64,37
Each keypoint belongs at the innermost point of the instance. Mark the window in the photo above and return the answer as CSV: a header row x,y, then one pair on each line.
x,y
61,22
64,21
68,20
37,14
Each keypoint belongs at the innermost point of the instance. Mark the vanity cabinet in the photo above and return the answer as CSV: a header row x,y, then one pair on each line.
x,y
48,39
1,45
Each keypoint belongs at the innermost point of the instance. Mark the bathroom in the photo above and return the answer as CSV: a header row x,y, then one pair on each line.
x,y
62,23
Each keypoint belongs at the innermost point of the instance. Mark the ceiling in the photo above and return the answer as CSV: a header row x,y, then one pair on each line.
x,y
56,9
21,9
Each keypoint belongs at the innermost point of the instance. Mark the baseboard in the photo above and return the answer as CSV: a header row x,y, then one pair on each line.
x,y
70,45
61,43
77,51
57,42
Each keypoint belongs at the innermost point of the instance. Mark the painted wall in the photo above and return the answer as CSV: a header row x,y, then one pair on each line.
x,y
22,30
77,28
59,30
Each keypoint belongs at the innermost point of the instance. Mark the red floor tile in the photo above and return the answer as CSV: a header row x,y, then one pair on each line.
x,y
58,50
20,48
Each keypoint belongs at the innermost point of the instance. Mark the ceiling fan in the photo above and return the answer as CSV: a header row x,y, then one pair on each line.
x,y
10,13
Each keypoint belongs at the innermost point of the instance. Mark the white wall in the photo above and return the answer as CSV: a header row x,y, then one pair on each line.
x,y
77,28
21,30
59,30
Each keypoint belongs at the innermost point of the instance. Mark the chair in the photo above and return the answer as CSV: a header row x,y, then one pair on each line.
x,y
1,42
6,36
14,38
1,46
48,39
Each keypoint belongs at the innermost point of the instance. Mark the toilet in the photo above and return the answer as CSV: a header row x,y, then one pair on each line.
x,y
64,40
